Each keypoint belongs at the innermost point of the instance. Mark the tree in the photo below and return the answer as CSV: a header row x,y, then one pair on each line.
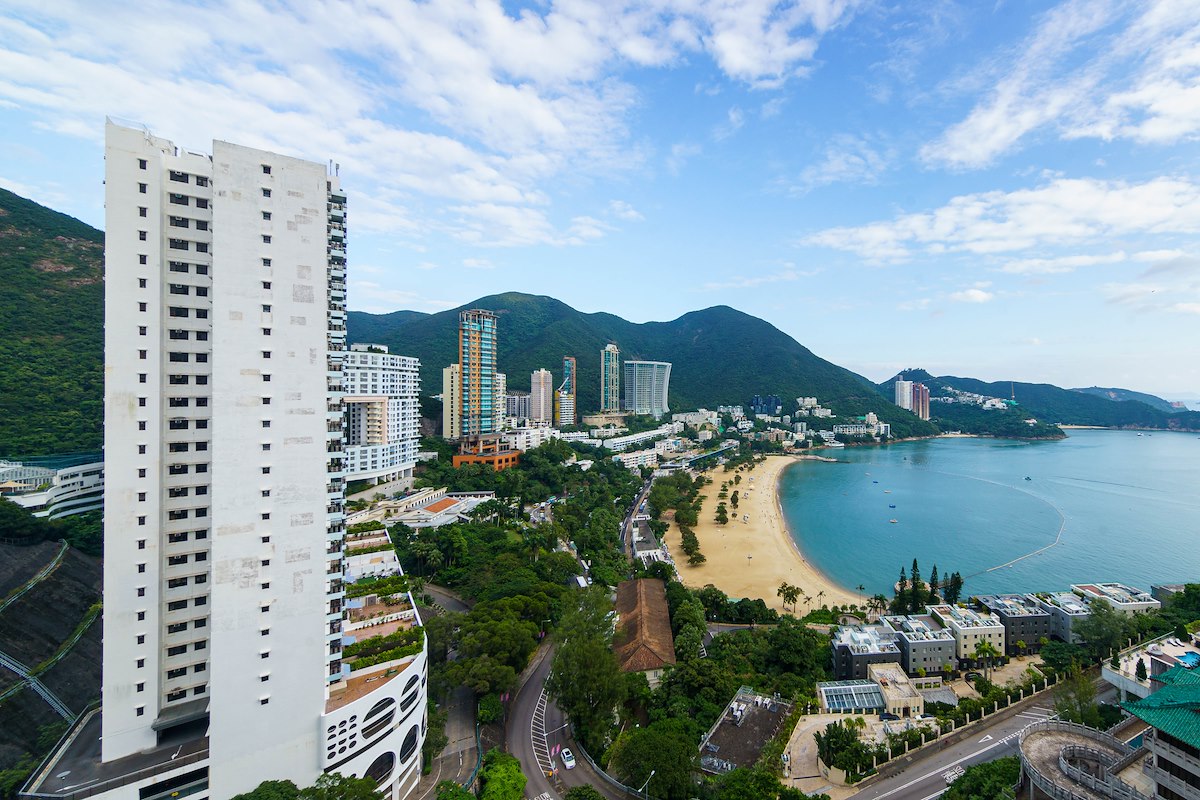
x,y
334,786
954,587
665,748
986,651
582,793
1103,630
1140,670
1021,646
501,777
933,584
991,780
271,790
1060,656
733,500
1075,699
916,598
449,790
585,679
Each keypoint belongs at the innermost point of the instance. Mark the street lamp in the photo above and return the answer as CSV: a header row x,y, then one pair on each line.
x,y
642,791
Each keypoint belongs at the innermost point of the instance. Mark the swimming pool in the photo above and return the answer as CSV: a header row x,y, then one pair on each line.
x,y
1190,660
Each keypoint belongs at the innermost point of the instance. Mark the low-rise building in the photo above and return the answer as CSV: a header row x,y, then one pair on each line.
x,y
643,640
638,459
530,437
1026,623
854,429
491,450
70,490
1173,739
857,647
738,736
1157,658
970,629
925,648
1124,599
735,412
697,418
899,696
1066,608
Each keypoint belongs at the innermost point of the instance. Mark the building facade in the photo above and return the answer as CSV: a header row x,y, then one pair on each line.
x,y
920,400
224,526
855,648
383,413
610,379
517,405
541,397
647,384
1025,622
478,395
904,394
970,629
564,398
923,647
451,389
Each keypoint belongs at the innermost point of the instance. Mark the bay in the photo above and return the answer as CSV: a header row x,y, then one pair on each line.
x,y
1099,506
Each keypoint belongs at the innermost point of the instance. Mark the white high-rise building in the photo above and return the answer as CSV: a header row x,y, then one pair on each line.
x,y
383,415
451,389
904,394
541,397
646,387
499,400
225,613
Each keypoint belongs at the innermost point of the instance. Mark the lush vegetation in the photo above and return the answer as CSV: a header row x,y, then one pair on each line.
x,y
1008,423
13,778
381,649
536,332
84,532
333,786
992,780
51,312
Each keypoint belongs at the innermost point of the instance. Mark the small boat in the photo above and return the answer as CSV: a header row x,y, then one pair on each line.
x,y
887,491
874,481
891,505
893,521
1028,478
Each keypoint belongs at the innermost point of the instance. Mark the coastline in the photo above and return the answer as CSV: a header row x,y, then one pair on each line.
x,y
752,558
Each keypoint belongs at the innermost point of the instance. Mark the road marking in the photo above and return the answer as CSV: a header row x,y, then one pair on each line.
x,y
987,738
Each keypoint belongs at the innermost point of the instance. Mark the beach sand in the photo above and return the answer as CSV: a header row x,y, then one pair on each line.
x,y
773,557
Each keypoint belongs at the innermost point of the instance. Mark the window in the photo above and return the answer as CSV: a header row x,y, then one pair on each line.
x,y
179,177
266,239
143,259
266,284
201,202
264,632
142,404
266,169
201,225
176,583
141,163
142,188
141,449
200,601
265,192
266,262
177,650
141,687
141,710
178,334
266,515
266,446
266,562
177,311
141,615
202,269
178,199
142,211
177,244
175,561
141,567
265,654
201,247
266,401
201,313
199,667
264,677
141,638
266,423
178,358
266,309
262,701
201,336
266,215
266,470
266,377
200,556
141,662
264,609
141,330
178,672
178,222
177,627
266,331
201,446
141,377
141,544
266,585
141,497
201,180
141,236
266,540
141,591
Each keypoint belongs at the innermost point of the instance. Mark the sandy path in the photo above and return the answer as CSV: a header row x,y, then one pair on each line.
x,y
751,559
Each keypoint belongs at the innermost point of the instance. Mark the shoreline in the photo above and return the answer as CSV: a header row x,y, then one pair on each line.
x,y
752,558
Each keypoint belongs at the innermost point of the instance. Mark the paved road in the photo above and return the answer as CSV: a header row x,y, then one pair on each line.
x,y
921,776
536,728
627,525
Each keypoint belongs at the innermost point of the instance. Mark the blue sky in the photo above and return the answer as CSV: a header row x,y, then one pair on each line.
x,y
1007,190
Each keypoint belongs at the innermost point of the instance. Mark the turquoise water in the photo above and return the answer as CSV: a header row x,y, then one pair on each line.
x,y
1127,508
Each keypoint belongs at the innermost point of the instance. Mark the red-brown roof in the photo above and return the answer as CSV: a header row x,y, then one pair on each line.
x,y
441,505
643,640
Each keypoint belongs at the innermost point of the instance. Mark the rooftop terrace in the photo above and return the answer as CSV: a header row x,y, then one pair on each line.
x,y
917,629
955,616
748,723
1067,602
1118,594
865,640
1012,605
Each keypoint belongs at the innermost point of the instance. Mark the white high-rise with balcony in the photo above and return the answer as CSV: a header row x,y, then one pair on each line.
x,y
225,613
382,413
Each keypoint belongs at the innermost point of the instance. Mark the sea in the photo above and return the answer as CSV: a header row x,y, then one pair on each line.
x,y
1009,516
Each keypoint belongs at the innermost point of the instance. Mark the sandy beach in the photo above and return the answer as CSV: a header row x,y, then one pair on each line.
x,y
752,558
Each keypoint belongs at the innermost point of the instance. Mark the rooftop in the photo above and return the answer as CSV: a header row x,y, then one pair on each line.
x,y
643,640
1173,709
917,629
838,696
1118,594
1067,602
76,770
954,616
1012,605
866,639
748,723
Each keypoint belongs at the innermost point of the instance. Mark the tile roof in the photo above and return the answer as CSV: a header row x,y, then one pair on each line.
x,y
643,640
1175,708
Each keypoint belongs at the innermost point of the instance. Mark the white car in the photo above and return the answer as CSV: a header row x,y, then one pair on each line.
x,y
568,758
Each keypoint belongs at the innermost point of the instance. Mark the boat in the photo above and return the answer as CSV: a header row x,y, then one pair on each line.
x,y
874,481
893,521
1028,478
891,505
887,491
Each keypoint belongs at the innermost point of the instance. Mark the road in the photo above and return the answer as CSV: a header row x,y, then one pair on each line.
x,y
535,729
627,525
921,776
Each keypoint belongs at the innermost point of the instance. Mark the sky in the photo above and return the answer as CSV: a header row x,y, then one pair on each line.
x,y
1005,190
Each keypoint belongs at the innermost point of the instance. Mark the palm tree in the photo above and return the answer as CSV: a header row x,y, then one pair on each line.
x,y
985,651
792,595
861,589
821,596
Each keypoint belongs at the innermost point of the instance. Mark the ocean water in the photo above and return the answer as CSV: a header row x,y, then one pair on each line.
x,y
1108,505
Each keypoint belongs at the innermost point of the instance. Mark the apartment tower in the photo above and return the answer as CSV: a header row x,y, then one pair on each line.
x,y
904,393
224,504
476,401
610,379
564,398
541,397
382,413
646,387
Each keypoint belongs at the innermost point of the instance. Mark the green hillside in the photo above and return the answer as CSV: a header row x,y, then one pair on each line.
x,y
718,355
1122,395
51,312
1054,404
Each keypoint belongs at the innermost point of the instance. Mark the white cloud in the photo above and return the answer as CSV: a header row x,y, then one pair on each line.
x,y
1052,266
1092,68
972,296
478,263
681,153
1061,212
735,119
846,159
622,210
750,282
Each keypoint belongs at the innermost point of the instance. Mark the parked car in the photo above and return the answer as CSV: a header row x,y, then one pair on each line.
x,y
888,717
568,758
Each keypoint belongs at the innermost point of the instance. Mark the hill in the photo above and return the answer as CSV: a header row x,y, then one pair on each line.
x,y
1053,404
51,312
1122,395
719,355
